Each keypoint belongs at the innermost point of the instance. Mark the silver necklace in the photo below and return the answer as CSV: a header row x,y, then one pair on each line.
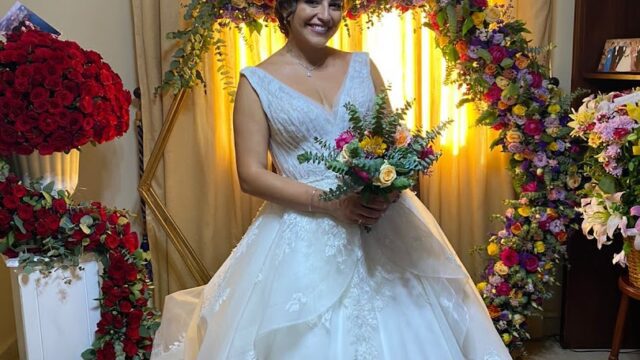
x,y
308,68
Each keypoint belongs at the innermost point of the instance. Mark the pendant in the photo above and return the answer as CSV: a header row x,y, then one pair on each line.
x,y
308,73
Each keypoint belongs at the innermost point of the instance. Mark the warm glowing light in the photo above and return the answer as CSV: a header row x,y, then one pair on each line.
x,y
406,55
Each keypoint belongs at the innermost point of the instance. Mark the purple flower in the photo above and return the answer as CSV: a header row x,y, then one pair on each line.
x,y
540,160
497,38
529,262
556,226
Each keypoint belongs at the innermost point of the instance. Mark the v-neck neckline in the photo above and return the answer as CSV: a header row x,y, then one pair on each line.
x,y
336,101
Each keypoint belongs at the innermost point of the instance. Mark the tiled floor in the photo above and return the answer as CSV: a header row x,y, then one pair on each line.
x,y
549,349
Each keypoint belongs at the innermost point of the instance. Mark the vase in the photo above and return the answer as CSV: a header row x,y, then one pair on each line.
x,y
633,263
58,167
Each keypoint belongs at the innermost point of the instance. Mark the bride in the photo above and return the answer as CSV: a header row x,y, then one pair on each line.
x,y
305,282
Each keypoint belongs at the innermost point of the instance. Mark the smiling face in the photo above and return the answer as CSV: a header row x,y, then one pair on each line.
x,y
314,22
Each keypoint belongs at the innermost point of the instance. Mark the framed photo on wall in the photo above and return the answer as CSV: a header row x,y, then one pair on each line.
x,y
620,55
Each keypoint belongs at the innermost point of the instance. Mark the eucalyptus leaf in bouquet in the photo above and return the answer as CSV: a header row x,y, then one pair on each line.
x,y
377,154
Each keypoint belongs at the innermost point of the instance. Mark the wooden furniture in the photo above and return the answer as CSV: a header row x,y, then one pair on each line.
x,y
628,290
590,292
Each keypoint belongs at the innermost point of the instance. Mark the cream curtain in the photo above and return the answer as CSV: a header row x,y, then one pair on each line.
x,y
198,180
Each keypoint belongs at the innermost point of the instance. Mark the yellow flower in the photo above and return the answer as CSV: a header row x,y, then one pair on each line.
x,y
443,40
239,3
506,338
634,111
514,136
481,286
500,268
554,108
539,247
636,150
594,139
519,110
373,145
548,266
524,211
553,146
386,176
492,14
478,19
493,249
518,156
502,82
518,319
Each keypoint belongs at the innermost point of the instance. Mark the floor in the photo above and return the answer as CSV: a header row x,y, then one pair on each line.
x,y
550,349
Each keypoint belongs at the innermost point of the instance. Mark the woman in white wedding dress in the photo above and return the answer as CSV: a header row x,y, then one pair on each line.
x,y
305,282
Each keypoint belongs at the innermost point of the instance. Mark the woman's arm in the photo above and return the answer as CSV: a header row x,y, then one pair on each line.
x,y
251,133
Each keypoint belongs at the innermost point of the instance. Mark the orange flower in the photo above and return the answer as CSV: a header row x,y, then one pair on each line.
x,y
516,228
494,311
561,236
502,105
461,47
490,69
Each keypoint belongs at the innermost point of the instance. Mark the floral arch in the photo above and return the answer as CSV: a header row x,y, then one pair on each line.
x,y
488,57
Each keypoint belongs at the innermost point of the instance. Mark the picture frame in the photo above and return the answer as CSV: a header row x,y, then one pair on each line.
x,y
620,55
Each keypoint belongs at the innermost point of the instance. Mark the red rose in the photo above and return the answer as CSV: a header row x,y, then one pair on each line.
x,y
133,332
125,306
106,353
112,241
100,228
493,94
5,218
10,202
530,187
503,289
59,205
509,257
130,242
19,191
113,218
620,133
498,53
130,347
53,222
533,127
25,212
39,94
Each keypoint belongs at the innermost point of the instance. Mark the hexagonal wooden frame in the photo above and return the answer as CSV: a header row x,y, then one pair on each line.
x,y
168,224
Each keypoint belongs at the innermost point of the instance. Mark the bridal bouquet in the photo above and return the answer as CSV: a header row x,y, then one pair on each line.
x,y
611,125
377,154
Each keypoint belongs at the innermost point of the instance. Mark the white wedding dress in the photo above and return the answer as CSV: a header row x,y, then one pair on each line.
x,y
304,286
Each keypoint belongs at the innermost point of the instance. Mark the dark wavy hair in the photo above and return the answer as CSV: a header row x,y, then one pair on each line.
x,y
284,10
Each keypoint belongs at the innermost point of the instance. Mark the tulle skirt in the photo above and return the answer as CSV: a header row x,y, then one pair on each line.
x,y
303,286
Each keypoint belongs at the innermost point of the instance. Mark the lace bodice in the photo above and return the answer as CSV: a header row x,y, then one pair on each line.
x,y
295,119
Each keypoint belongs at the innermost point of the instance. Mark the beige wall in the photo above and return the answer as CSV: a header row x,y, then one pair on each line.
x,y
562,37
108,172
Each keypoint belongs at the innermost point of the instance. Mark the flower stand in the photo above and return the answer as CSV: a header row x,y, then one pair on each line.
x,y
56,315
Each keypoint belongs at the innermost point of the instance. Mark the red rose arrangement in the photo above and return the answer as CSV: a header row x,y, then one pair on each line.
x,y
56,96
45,229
